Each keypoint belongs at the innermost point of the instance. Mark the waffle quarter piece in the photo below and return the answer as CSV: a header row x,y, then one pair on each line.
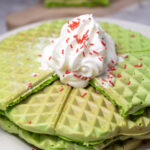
x,y
20,73
40,112
131,89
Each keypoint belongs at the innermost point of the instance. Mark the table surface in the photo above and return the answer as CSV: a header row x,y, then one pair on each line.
x,y
10,142
139,13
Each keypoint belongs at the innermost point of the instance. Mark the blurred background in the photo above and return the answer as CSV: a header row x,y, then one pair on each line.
x,y
16,13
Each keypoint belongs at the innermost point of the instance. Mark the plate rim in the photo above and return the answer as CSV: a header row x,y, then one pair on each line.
x,y
137,27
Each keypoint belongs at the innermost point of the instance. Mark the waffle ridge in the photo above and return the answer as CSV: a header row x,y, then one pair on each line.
x,y
40,112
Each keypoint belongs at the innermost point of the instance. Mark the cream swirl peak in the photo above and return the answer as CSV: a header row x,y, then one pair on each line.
x,y
82,52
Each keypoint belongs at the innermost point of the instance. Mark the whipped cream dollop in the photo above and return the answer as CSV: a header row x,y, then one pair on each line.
x,y
83,51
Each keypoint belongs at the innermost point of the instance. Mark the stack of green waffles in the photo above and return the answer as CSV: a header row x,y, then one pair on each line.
x,y
37,107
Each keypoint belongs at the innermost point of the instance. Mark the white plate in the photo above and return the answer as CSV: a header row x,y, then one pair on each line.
x,y
10,142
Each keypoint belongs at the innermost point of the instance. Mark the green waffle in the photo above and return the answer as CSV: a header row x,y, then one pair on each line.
x,y
131,87
40,112
64,112
60,110
126,40
131,91
47,142
76,3
19,64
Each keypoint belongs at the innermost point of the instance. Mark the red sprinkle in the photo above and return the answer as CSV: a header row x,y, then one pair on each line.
x,y
103,80
132,35
95,52
111,83
77,76
35,75
83,54
84,44
77,50
29,122
126,56
141,58
71,46
52,41
128,82
74,25
112,61
104,44
29,85
68,30
119,75
67,40
108,76
84,38
90,53
62,51
84,78
63,75
40,55
81,46
97,32
50,57
83,94
75,36
61,89
138,66
91,44
67,72
100,58
125,66
112,74
112,68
